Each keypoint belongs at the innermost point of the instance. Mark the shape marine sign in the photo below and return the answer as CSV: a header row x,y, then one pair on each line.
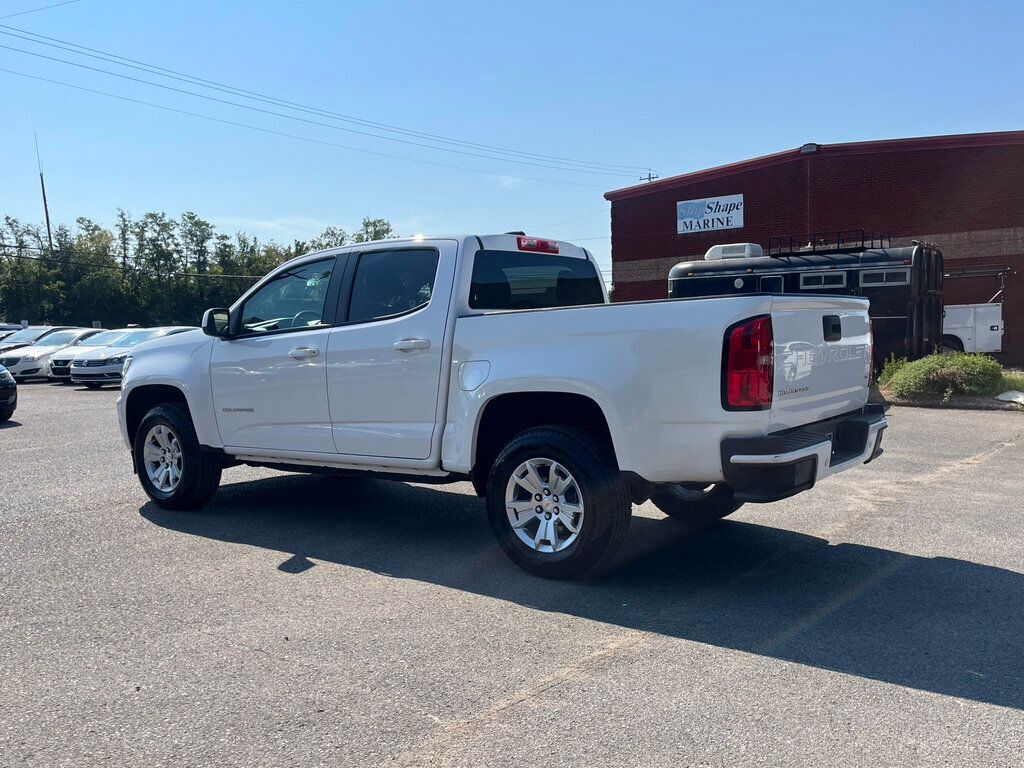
x,y
709,213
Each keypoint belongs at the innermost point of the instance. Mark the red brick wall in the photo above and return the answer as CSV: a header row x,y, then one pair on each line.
x,y
904,193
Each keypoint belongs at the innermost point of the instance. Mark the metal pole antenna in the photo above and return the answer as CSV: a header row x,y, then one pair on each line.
x,y
42,186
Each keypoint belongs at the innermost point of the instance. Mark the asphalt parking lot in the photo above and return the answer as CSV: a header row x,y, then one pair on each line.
x,y
876,620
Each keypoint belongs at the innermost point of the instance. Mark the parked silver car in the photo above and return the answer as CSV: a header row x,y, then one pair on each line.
x,y
31,335
60,362
105,364
32,362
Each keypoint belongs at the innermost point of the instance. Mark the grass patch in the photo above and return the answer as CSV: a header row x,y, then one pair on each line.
x,y
943,376
1013,380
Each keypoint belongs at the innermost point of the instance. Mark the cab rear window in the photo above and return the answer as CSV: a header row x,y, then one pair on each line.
x,y
518,280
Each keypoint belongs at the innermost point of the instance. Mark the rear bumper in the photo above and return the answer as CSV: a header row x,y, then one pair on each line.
x,y
773,467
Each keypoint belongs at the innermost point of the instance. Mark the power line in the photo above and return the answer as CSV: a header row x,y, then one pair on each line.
x,y
42,8
214,85
297,137
296,118
570,221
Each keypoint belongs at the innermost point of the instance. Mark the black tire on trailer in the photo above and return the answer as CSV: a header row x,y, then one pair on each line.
x,y
556,501
174,470
696,503
951,345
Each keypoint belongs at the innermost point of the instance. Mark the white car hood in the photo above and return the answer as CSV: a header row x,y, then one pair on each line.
x,y
102,353
71,353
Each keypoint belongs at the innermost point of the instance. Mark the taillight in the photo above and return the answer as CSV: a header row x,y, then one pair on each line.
x,y
537,244
749,365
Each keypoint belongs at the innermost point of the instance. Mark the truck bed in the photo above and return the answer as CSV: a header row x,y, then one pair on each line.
x,y
655,369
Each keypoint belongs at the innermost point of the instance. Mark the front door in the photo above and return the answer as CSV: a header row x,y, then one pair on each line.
x,y
384,359
270,380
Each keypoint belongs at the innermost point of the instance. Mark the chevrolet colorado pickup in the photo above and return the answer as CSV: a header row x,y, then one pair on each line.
x,y
498,359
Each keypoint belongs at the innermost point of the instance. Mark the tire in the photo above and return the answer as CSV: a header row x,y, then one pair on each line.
x,y
198,471
6,415
951,345
92,384
696,505
589,479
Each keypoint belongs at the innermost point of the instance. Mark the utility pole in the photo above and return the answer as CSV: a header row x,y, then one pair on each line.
x,y
649,177
42,186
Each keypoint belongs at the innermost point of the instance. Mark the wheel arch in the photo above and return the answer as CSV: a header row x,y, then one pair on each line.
x,y
140,400
953,340
506,415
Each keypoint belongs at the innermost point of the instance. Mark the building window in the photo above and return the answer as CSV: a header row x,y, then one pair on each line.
x,y
816,281
885,277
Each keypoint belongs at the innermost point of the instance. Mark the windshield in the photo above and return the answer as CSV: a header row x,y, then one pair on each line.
x,y
105,338
137,337
60,338
26,334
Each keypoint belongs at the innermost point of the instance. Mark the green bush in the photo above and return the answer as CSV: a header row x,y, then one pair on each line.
x,y
947,375
891,367
1014,380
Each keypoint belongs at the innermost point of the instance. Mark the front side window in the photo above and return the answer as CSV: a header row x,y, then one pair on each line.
x,y
293,299
389,283
516,280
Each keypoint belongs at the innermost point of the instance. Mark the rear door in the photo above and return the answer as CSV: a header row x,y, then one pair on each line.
x,y
385,356
822,358
988,320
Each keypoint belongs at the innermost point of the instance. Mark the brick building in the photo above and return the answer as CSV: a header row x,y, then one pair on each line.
x,y
964,193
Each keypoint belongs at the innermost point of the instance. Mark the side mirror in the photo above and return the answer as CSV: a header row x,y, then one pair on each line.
x,y
216,322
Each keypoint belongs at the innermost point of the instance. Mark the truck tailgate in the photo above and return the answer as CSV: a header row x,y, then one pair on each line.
x,y
822,358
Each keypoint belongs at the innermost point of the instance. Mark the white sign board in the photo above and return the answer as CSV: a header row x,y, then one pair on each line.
x,y
709,213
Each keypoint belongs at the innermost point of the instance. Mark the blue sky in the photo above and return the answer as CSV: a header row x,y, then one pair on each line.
x,y
672,86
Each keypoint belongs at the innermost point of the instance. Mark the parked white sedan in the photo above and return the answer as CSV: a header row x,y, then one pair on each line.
x,y
106,364
32,362
60,362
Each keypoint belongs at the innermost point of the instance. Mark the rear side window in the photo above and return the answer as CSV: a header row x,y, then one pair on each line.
x,y
888,277
390,283
517,280
819,280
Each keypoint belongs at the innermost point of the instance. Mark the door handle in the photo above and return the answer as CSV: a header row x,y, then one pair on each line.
x,y
410,345
304,353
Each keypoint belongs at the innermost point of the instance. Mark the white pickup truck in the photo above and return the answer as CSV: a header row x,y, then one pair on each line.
x,y
498,359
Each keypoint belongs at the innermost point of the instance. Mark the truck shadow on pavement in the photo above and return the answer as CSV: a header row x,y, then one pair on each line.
x,y
932,623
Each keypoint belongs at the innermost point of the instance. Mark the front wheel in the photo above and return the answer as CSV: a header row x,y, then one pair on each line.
x,y
696,502
174,470
556,501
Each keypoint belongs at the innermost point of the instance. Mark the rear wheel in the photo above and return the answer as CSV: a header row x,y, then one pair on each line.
x,y
696,502
174,470
556,501
5,415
